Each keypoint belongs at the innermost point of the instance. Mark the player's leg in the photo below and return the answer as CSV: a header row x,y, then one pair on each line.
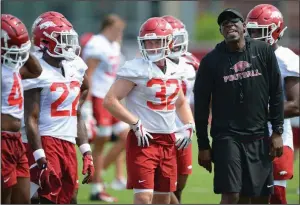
x,y
161,198
103,132
69,173
75,194
181,182
6,195
173,199
119,183
21,191
257,171
9,162
165,178
226,155
184,169
74,197
140,164
142,196
54,154
34,197
121,130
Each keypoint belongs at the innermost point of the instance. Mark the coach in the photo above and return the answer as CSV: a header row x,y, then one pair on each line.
x,y
242,78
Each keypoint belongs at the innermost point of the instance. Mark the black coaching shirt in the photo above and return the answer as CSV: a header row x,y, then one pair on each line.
x,y
246,92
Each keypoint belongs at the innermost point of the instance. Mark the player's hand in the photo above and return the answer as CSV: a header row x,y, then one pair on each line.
x,y
204,159
45,176
88,168
141,133
184,136
276,149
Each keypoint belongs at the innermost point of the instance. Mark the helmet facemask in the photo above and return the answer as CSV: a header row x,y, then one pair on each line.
x,y
155,54
266,32
66,44
15,57
180,43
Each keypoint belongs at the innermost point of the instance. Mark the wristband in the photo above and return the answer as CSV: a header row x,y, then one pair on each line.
x,y
84,148
39,153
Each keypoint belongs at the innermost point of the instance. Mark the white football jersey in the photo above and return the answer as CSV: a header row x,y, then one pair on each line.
x,y
153,98
288,63
99,47
187,83
59,98
295,122
12,92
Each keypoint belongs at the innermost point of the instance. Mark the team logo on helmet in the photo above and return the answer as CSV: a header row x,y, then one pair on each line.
x,y
47,24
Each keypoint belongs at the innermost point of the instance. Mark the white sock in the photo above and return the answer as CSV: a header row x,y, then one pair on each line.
x,y
96,188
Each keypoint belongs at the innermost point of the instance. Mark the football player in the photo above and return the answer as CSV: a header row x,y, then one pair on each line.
x,y
265,22
119,182
102,55
151,87
190,64
36,52
17,64
53,116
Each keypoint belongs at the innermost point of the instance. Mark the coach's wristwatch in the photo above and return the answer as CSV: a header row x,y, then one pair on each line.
x,y
278,130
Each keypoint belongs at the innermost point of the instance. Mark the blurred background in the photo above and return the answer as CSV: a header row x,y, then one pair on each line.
x,y
198,16
200,20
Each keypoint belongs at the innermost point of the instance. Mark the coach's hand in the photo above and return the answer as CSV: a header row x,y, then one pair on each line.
x,y
276,149
88,167
204,159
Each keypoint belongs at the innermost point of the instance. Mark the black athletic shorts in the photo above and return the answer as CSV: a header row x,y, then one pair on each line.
x,y
243,167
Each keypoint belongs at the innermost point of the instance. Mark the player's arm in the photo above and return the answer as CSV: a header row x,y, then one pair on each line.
x,y
183,109
112,101
31,118
47,178
202,97
291,105
31,69
82,137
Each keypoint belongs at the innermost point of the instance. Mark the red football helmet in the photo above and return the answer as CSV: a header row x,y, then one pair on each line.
x,y
15,43
180,36
155,28
267,21
57,37
45,15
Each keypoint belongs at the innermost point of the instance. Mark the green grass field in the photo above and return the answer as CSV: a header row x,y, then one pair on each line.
x,y
199,189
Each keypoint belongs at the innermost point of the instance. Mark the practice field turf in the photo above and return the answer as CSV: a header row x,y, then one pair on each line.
x,y
198,190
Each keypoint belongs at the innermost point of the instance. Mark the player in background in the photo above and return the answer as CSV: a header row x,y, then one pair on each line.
x,y
151,87
52,111
190,64
119,182
265,22
102,55
17,64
